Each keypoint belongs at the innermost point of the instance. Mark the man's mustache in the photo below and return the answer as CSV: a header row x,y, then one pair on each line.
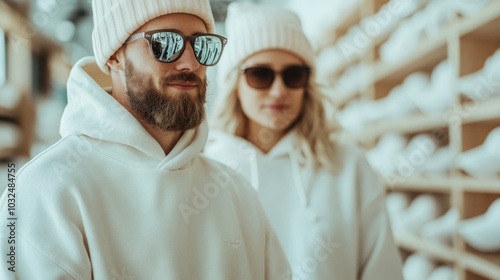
x,y
183,77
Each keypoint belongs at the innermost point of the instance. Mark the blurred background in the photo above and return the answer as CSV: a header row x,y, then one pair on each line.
x,y
416,83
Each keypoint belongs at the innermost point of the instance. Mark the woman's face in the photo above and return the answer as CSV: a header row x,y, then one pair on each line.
x,y
272,105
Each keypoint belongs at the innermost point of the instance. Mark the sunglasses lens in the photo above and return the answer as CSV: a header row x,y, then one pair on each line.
x,y
259,77
208,49
296,76
166,46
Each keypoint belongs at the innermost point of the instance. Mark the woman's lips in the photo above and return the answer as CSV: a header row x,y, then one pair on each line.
x,y
277,107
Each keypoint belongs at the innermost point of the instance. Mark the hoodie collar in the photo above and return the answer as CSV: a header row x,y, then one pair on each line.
x,y
287,146
94,113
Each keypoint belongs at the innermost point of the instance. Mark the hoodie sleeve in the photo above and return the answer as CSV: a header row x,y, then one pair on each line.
x,y
45,241
379,256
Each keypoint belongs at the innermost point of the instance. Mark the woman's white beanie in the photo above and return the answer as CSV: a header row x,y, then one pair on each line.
x,y
116,20
251,28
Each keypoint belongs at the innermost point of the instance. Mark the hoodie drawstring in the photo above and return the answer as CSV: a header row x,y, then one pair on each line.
x,y
254,170
299,185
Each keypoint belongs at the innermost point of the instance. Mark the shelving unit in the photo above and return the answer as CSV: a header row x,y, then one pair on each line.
x,y
466,42
473,262
409,125
18,50
28,53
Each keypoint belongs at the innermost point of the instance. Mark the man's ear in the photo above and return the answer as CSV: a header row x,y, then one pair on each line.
x,y
117,61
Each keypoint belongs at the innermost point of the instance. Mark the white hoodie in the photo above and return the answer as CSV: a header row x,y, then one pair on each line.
x,y
331,226
106,203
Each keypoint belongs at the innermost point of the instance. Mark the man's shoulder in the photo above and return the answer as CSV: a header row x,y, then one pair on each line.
x,y
51,163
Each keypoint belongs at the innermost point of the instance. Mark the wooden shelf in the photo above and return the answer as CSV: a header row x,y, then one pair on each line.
x,y
480,266
434,250
466,42
486,110
7,153
484,26
406,125
480,186
9,19
425,57
446,184
377,41
441,252
8,113
422,184
341,98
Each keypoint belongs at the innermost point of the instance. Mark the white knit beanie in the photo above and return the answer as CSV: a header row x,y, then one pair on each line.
x,y
116,20
251,28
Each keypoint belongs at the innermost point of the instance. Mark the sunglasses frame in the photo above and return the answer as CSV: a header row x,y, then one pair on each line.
x,y
307,68
148,35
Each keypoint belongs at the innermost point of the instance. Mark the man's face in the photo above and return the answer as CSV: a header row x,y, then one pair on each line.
x,y
169,96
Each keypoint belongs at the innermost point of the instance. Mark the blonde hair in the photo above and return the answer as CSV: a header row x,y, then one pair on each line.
x,y
317,135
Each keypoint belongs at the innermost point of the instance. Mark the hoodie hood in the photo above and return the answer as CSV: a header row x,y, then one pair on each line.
x,y
226,147
94,113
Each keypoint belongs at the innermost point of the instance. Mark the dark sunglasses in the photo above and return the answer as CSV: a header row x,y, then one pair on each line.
x,y
262,77
168,45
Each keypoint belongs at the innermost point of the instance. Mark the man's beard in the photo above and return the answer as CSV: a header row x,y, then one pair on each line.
x,y
167,111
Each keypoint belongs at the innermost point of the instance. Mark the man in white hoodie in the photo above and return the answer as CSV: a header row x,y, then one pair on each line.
x,y
125,194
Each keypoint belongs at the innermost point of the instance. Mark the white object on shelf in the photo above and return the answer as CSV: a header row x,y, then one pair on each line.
x,y
441,93
410,162
492,67
423,209
329,61
396,203
10,135
483,232
383,156
355,78
406,8
443,272
9,97
417,267
484,83
404,39
439,163
443,228
468,7
356,114
416,86
317,21
400,101
439,13
482,161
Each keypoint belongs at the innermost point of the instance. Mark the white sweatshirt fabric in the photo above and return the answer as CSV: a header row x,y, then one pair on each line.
x,y
106,203
330,226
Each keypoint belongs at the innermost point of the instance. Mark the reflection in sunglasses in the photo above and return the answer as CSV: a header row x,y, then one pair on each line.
x,y
168,45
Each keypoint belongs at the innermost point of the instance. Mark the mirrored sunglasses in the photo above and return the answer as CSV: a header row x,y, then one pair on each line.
x,y
168,45
262,77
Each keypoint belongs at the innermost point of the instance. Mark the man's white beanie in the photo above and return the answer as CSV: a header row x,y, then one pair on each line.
x,y
116,20
251,28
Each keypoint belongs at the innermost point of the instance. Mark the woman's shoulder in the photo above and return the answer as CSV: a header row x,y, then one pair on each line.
x,y
222,143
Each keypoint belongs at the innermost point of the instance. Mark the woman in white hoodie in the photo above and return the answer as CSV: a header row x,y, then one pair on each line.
x,y
322,198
